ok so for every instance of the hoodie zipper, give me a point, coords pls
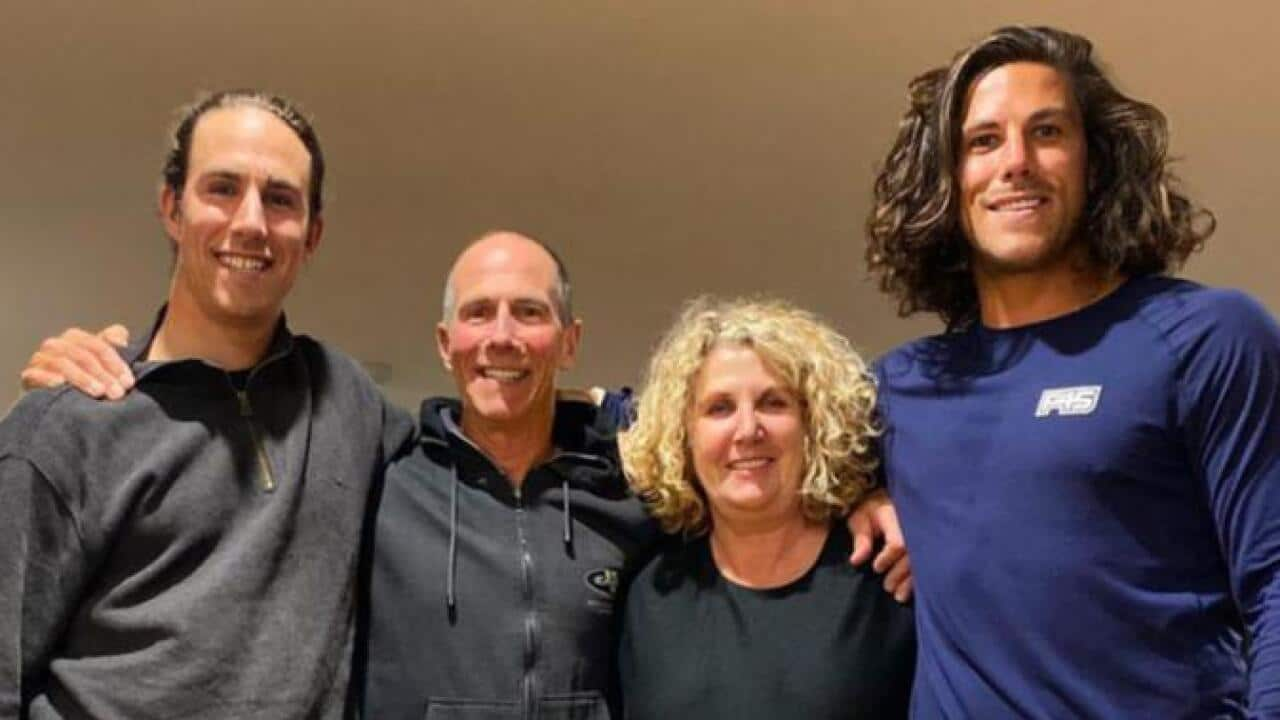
(528, 687)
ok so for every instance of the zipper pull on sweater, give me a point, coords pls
(264, 463)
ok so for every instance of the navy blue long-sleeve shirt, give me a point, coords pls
(1092, 505)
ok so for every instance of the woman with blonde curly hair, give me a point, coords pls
(755, 433)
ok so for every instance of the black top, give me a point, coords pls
(485, 602)
(832, 644)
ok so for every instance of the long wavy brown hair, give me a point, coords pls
(1135, 222)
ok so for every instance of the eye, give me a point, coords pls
(982, 142)
(719, 407)
(1047, 131)
(475, 312)
(776, 401)
(222, 187)
(281, 199)
(531, 312)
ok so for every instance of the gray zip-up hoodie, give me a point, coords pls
(486, 602)
(190, 550)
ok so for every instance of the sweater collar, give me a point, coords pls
(135, 352)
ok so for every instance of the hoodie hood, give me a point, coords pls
(584, 438)
(584, 458)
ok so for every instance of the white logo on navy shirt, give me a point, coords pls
(1079, 400)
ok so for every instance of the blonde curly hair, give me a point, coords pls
(836, 392)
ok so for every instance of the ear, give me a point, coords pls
(315, 229)
(170, 211)
(569, 344)
(442, 345)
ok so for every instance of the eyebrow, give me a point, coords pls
(1037, 116)
(515, 301)
(273, 183)
(220, 175)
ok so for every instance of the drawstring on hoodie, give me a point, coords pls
(449, 599)
(450, 582)
(568, 520)
(447, 427)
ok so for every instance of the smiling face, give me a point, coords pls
(241, 227)
(746, 438)
(1021, 171)
(503, 340)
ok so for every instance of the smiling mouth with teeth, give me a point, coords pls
(749, 463)
(1017, 204)
(502, 375)
(243, 263)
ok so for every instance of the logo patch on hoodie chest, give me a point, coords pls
(603, 584)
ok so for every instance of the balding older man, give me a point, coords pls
(498, 544)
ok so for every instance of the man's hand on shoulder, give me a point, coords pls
(89, 362)
(591, 396)
(875, 519)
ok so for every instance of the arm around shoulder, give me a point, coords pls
(90, 362)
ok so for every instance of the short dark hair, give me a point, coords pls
(1135, 221)
(178, 158)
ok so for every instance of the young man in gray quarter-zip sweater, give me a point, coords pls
(190, 551)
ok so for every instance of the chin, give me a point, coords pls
(244, 315)
(749, 499)
(495, 409)
(246, 301)
(1018, 256)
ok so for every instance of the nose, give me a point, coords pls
(1016, 158)
(503, 327)
(249, 221)
(748, 428)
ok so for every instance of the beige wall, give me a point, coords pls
(667, 148)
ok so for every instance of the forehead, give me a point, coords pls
(731, 365)
(504, 270)
(1017, 89)
(248, 140)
